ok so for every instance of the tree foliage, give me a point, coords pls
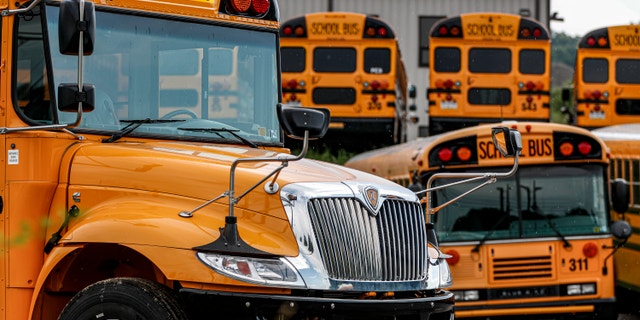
(563, 48)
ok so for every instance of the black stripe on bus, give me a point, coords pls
(430, 91)
(593, 101)
(294, 91)
(544, 93)
(379, 91)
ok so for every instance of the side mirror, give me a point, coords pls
(76, 18)
(69, 96)
(621, 229)
(508, 142)
(296, 120)
(412, 91)
(620, 196)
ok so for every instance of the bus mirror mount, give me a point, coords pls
(507, 141)
(76, 35)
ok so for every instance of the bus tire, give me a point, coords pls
(123, 298)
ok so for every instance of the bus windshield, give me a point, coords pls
(185, 79)
(539, 201)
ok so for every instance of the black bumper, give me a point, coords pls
(202, 304)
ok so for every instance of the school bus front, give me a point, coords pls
(538, 243)
(145, 176)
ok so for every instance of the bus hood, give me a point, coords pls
(193, 170)
(126, 185)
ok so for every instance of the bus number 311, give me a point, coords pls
(578, 264)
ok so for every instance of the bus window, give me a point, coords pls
(627, 71)
(334, 95)
(490, 60)
(628, 107)
(489, 96)
(595, 70)
(293, 59)
(531, 61)
(377, 60)
(447, 59)
(334, 60)
(221, 62)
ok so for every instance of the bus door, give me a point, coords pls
(490, 77)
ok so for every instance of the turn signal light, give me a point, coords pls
(590, 250)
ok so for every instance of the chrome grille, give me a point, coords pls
(355, 245)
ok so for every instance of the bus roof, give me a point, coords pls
(336, 25)
(629, 131)
(621, 37)
(490, 26)
(398, 160)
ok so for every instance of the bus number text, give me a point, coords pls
(578, 264)
(530, 106)
(375, 105)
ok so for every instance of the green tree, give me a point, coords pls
(563, 48)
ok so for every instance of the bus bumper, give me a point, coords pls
(590, 309)
(202, 304)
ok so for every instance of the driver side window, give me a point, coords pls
(31, 84)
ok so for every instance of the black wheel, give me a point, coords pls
(179, 112)
(123, 299)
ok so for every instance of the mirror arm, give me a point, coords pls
(20, 10)
(470, 177)
(615, 248)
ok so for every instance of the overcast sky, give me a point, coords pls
(582, 16)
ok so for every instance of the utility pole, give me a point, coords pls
(329, 5)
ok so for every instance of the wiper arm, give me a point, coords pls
(134, 124)
(217, 130)
(567, 244)
(489, 233)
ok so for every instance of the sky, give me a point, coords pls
(582, 16)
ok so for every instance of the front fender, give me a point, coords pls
(152, 220)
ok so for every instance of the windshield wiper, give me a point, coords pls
(227, 130)
(489, 233)
(567, 244)
(134, 124)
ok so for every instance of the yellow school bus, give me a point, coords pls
(623, 143)
(488, 67)
(351, 64)
(537, 243)
(606, 87)
(137, 184)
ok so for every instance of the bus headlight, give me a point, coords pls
(467, 295)
(274, 272)
(582, 288)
